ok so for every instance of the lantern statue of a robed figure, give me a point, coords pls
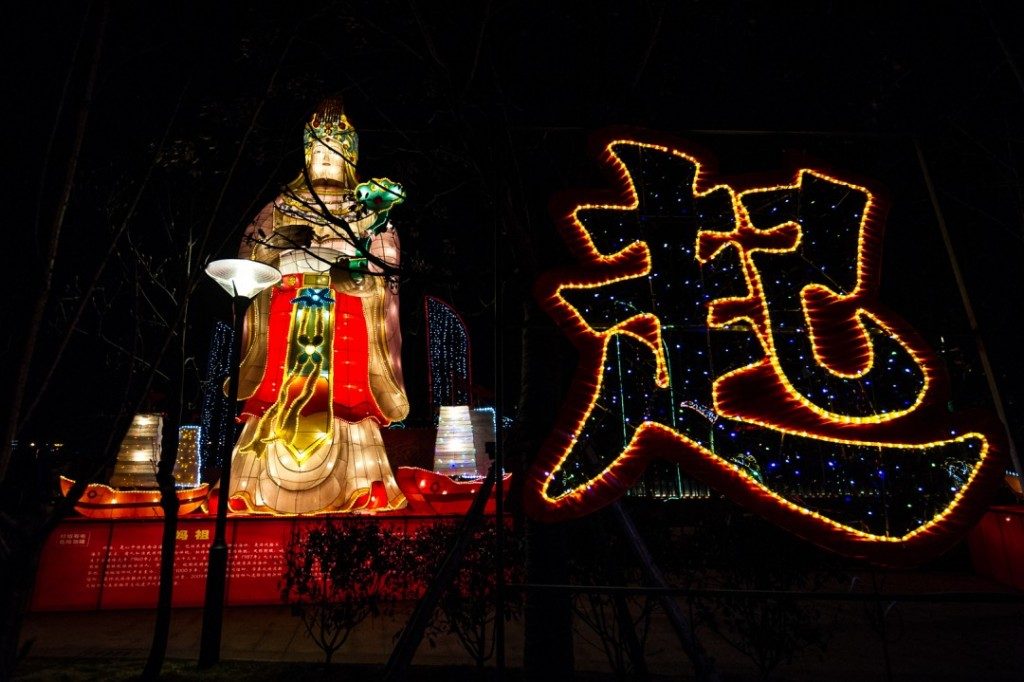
(321, 367)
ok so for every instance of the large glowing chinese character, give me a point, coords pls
(737, 333)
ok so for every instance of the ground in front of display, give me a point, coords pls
(920, 640)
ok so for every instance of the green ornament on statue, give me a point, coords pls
(379, 196)
(357, 267)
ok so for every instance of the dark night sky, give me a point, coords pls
(482, 126)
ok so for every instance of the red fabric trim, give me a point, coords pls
(353, 399)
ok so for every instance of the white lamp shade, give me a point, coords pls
(241, 277)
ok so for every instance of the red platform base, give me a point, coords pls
(105, 562)
(997, 545)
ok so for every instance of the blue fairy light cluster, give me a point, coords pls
(448, 348)
(216, 414)
(883, 490)
(829, 215)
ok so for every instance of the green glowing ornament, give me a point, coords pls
(379, 196)
(357, 267)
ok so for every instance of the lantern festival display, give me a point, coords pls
(133, 492)
(188, 466)
(139, 453)
(321, 369)
(455, 449)
(484, 432)
(449, 355)
(737, 333)
(462, 433)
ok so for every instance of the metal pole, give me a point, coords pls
(216, 573)
(499, 490)
(969, 309)
(397, 667)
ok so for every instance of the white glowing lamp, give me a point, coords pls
(139, 455)
(454, 451)
(241, 277)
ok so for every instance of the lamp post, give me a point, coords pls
(242, 279)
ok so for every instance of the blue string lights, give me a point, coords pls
(216, 423)
(449, 355)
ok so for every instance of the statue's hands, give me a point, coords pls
(290, 237)
(268, 250)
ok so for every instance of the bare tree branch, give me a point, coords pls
(43, 298)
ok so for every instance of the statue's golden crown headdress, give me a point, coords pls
(330, 126)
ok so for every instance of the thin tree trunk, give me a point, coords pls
(87, 294)
(21, 541)
(169, 503)
(20, 559)
(36, 321)
(21, 551)
(547, 618)
(703, 666)
(397, 667)
(627, 630)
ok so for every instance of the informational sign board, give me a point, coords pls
(98, 564)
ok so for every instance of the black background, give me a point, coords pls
(483, 111)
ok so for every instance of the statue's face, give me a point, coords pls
(326, 164)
